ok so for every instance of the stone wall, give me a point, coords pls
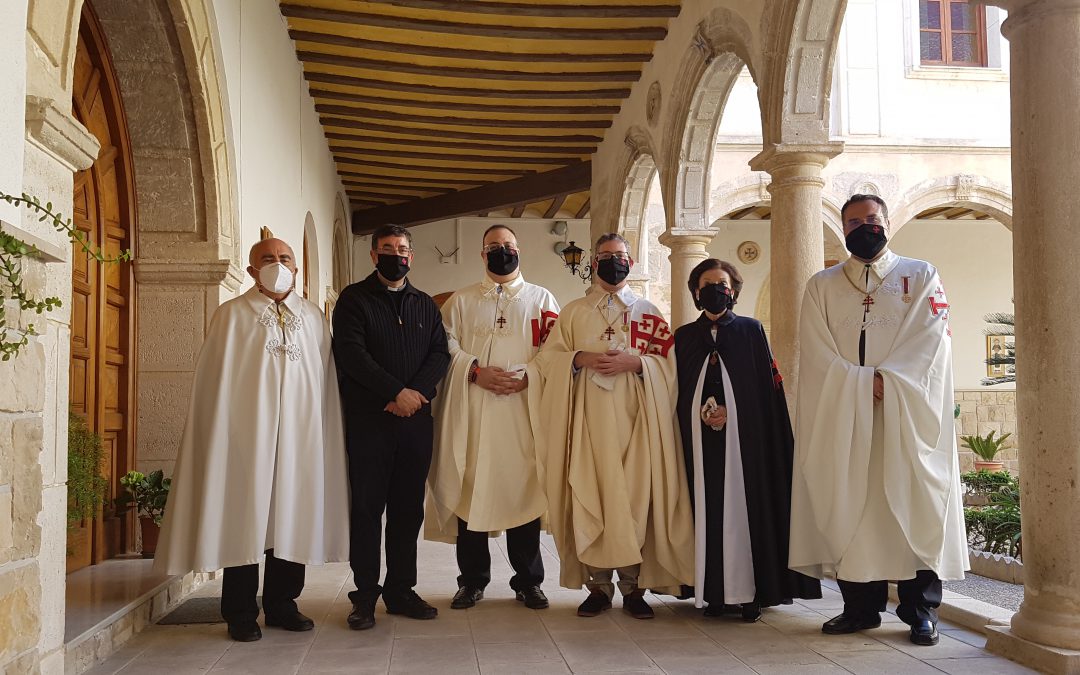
(983, 411)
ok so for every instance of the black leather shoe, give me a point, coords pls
(594, 604)
(635, 605)
(246, 631)
(843, 624)
(466, 597)
(533, 597)
(751, 612)
(409, 604)
(924, 633)
(362, 616)
(294, 621)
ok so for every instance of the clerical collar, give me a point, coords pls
(509, 288)
(626, 296)
(397, 289)
(856, 269)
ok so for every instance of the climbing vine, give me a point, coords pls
(12, 252)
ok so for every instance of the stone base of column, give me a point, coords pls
(1002, 641)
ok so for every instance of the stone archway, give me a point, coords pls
(310, 261)
(641, 189)
(966, 190)
(341, 251)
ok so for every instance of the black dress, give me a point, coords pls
(767, 446)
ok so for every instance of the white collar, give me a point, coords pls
(293, 302)
(625, 295)
(855, 269)
(509, 288)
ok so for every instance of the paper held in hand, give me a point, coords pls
(707, 410)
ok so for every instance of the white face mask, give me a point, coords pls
(276, 278)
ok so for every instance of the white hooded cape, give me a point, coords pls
(262, 461)
(876, 490)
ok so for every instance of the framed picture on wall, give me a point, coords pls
(999, 346)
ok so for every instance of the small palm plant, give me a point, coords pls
(985, 447)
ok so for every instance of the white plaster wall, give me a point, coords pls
(285, 168)
(974, 258)
(539, 263)
(725, 246)
(12, 104)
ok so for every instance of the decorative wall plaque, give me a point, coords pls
(652, 104)
(748, 252)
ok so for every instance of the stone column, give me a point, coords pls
(1046, 170)
(796, 239)
(687, 250)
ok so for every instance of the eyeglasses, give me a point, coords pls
(492, 248)
(619, 255)
(869, 220)
(402, 251)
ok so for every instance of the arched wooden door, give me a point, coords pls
(102, 312)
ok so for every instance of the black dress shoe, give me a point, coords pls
(924, 633)
(409, 604)
(245, 631)
(294, 621)
(594, 604)
(533, 597)
(466, 597)
(751, 612)
(840, 625)
(635, 605)
(362, 616)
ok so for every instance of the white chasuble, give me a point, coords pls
(609, 457)
(876, 489)
(262, 460)
(484, 466)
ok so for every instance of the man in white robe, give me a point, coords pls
(261, 466)
(483, 476)
(616, 483)
(876, 490)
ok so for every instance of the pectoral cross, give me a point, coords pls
(867, 301)
(501, 321)
(608, 333)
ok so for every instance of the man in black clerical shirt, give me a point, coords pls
(391, 351)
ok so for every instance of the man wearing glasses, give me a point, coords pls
(391, 351)
(483, 476)
(618, 499)
(876, 488)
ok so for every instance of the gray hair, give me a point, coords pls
(611, 236)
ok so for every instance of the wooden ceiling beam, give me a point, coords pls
(455, 53)
(520, 94)
(929, 214)
(434, 169)
(349, 123)
(449, 157)
(542, 9)
(494, 147)
(448, 182)
(432, 70)
(584, 210)
(366, 202)
(556, 204)
(367, 113)
(384, 196)
(395, 188)
(518, 211)
(651, 33)
(479, 107)
(507, 194)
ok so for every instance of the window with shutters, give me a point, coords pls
(952, 33)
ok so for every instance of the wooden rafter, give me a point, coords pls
(411, 88)
(367, 113)
(584, 210)
(517, 211)
(479, 107)
(555, 205)
(451, 181)
(542, 9)
(469, 28)
(486, 158)
(455, 53)
(434, 169)
(507, 194)
(492, 147)
(346, 123)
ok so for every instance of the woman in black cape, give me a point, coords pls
(731, 397)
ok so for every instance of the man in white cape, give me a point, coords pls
(261, 467)
(605, 428)
(876, 490)
(483, 476)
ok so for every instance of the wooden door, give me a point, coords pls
(101, 373)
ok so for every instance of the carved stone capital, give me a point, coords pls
(57, 133)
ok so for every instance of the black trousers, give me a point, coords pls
(522, 547)
(919, 597)
(388, 465)
(282, 583)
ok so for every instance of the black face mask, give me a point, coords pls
(715, 298)
(501, 262)
(392, 267)
(866, 241)
(613, 270)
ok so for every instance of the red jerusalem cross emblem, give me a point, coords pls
(939, 308)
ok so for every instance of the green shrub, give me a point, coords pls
(85, 485)
(995, 527)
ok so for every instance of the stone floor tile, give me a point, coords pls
(545, 668)
(987, 665)
(800, 669)
(490, 654)
(584, 653)
(882, 663)
(442, 655)
(964, 635)
(946, 648)
(258, 658)
(350, 660)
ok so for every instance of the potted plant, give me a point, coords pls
(148, 493)
(85, 485)
(986, 449)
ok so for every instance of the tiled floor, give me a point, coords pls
(499, 635)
